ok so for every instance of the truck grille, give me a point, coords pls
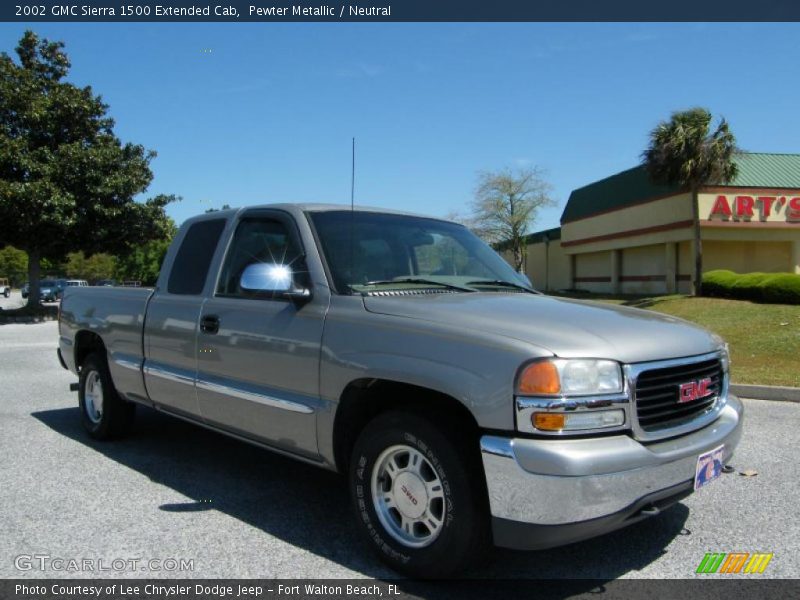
(659, 402)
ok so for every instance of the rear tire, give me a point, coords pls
(105, 415)
(7, 293)
(419, 495)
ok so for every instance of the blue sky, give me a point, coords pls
(268, 114)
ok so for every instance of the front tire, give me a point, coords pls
(104, 414)
(419, 495)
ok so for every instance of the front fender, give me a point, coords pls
(474, 367)
(431, 373)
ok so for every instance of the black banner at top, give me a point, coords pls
(277, 11)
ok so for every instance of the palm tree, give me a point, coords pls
(683, 151)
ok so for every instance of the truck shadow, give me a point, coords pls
(309, 507)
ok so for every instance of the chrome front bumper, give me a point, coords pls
(563, 482)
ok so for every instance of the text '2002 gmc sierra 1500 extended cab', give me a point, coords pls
(465, 407)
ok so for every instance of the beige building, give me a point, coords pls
(624, 234)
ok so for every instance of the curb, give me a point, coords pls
(766, 392)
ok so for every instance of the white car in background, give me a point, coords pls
(77, 283)
(5, 288)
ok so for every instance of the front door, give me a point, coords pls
(258, 356)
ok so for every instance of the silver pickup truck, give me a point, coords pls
(464, 407)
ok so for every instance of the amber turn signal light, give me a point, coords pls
(540, 378)
(548, 421)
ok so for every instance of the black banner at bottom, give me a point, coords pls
(400, 589)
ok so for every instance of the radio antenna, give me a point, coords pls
(352, 212)
(353, 178)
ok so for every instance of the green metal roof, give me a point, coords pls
(533, 238)
(629, 187)
(767, 170)
(545, 234)
(634, 186)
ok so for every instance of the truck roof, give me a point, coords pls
(305, 207)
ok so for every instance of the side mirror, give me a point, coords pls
(272, 279)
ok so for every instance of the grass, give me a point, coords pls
(764, 339)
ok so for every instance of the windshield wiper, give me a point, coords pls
(503, 283)
(416, 280)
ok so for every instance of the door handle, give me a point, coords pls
(209, 324)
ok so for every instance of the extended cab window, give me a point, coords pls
(260, 240)
(189, 271)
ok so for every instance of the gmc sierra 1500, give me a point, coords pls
(464, 406)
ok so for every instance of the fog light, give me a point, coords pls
(548, 421)
(595, 419)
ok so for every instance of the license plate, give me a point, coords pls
(709, 467)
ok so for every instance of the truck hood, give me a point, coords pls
(564, 327)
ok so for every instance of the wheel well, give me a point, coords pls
(87, 342)
(364, 399)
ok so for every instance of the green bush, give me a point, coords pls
(781, 288)
(775, 288)
(718, 283)
(748, 286)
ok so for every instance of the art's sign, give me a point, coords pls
(760, 208)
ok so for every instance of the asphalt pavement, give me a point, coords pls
(175, 492)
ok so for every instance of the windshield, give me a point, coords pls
(45, 283)
(365, 250)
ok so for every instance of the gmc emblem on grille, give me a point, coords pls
(694, 390)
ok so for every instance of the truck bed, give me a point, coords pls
(117, 316)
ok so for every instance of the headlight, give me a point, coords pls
(565, 377)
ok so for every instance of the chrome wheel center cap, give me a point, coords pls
(410, 495)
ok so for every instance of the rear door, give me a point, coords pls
(170, 332)
(258, 357)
